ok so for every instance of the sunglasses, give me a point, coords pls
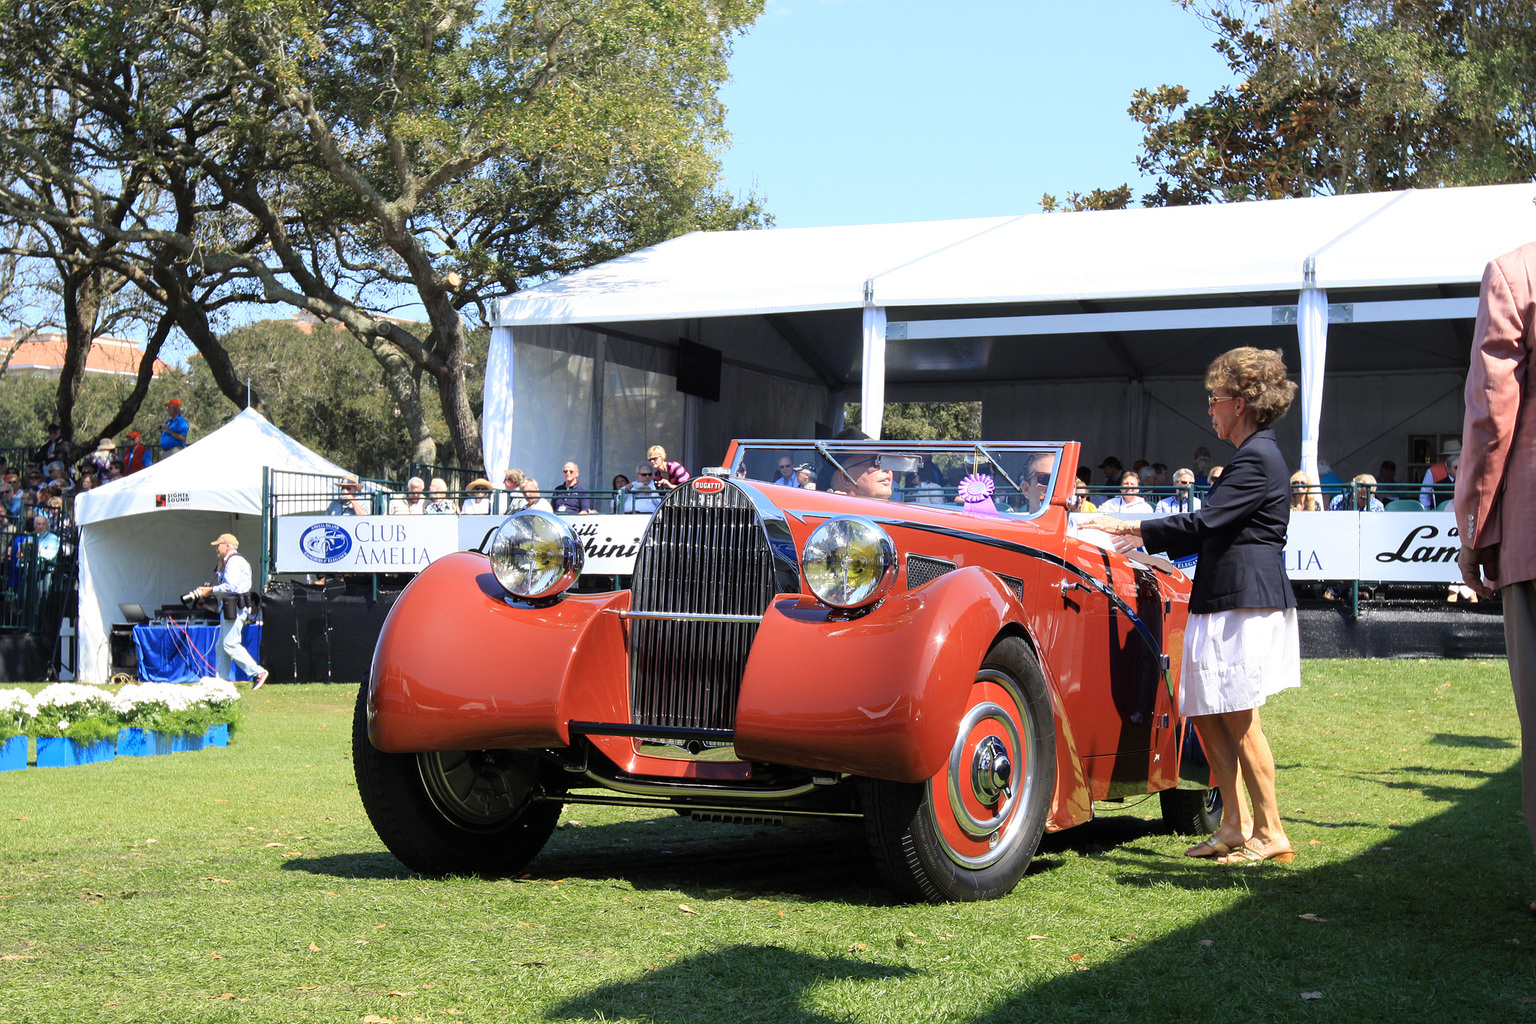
(644, 474)
(1041, 478)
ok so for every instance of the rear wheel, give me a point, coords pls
(969, 832)
(1191, 812)
(467, 812)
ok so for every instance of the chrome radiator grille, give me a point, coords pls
(702, 554)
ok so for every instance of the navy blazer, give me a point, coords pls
(1239, 533)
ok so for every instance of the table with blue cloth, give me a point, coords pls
(181, 653)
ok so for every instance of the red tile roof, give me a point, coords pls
(44, 354)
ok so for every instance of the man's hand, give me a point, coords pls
(1471, 566)
(204, 591)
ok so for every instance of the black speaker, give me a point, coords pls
(698, 370)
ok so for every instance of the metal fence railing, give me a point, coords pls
(37, 583)
(457, 478)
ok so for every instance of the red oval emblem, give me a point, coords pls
(709, 485)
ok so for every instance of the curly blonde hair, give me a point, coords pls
(1257, 376)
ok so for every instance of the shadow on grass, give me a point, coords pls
(350, 865)
(1427, 925)
(731, 984)
(1447, 739)
(817, 859)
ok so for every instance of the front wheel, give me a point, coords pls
(969, 832)
(468, 812)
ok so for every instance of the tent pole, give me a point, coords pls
(266, 524)
(872, 376)
(1312, 334)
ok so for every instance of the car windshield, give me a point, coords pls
(1018, 477)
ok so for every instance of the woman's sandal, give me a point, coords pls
(1211, 847)
(1248, 855)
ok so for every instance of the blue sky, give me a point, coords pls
(868, 111)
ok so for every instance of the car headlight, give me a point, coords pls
(536, 555)
(849, 562)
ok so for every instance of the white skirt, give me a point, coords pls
(1234, 660)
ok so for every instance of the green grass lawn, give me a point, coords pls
(245, 884)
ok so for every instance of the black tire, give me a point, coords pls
(1191, 812)
(461, 813)
(929, 840)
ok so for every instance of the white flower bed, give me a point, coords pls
(66, 703)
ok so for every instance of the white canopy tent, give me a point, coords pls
(145, 539)
(1095, 326)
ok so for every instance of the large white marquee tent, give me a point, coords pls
(1092, 326)
(145, 539)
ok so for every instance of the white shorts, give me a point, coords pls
(1234, 660)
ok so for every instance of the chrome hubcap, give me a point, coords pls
(991, 771)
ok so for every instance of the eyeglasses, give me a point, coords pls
(1220, 398)
(1041, 478)
(644, 475)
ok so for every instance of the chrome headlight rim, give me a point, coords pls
(837, 536)
(562, 555)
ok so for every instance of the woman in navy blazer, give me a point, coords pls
(1242, 643)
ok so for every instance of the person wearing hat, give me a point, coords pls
(101, 458)
(349, 502)
(173, 433)
(479, 501)
(139, 456)
(1112, 471)
(237, 606)
(1440, 479)
(55, 449)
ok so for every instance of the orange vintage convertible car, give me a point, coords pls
(962, 675)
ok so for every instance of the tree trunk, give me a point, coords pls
(193, 321)
(403, 378)
(81, 291)
(130, 407)
(452, 387)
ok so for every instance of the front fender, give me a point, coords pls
(879, 695)
(458, 668)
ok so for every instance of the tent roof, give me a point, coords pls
(218, 473)
(1378, 240)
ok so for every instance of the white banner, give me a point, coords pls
(336, 544)
(1391, 547)
(363, 544)
(1409, 546)
(1323, 545)
(1402, 547)
(611, 542)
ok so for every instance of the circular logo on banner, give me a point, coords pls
(709, 485)
(325, 542)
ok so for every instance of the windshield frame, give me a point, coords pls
(989, 453)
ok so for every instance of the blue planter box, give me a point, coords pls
(181, 743)
(13, 754)
(142, 743)
(217, 736)
(57, 752)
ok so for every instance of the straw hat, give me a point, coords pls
(479, 484)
